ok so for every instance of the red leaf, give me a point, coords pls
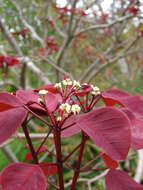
(114, 96)
(50, 88)
(8, 101)
(50, 46)
(12, 114)
(73, 129)
(136, 130)
(133, 103)
(51, 101)
(10, 121)
(109, 128)
(23, 32)
(9, 61)
(133, 10)
(119, 180)
(27, 96)
(109, 162)
(23, 176)
(85, 90)
(2, 58)
(30, 97)
(28, 157)
(49, 168)
(137, 134)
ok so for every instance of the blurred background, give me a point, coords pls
(94, 41)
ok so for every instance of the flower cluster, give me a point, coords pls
(71, 98)
(67, 108)
(75, 85)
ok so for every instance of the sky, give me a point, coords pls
(105, 4)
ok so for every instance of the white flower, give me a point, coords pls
(58, 85)
(67, 82)
(75, 109)
(59, 118)
(95, 90)
(66, 108)
(95, 93)
(43, 92)
(76, 84)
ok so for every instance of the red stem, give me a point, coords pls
(57, 138)
(91, 103)
(41, 119)
(94, 102)
(86, 101)
(43, 142)
(68, 126)
(32, 150)
(81, 104)
(77, 169)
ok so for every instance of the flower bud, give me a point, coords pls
(43, 92)
(67, 82)
(75, 109)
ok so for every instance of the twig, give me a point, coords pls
(96, 178)
(139, 170)
(87, 180)
(9, 154)
(16, 48)
(34, 135)
(25, 23)
(102, 26)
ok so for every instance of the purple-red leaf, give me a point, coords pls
(27, 96)
(52, 89)
(23, 176)
(31, 98)
(136, 130)
(73, 129)
(109, 128)
(84, 90)
(51, 101)
(10, 121)
(114, 96)
(119, 180)
(48, 168)
(8, 101)
(134, 103)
